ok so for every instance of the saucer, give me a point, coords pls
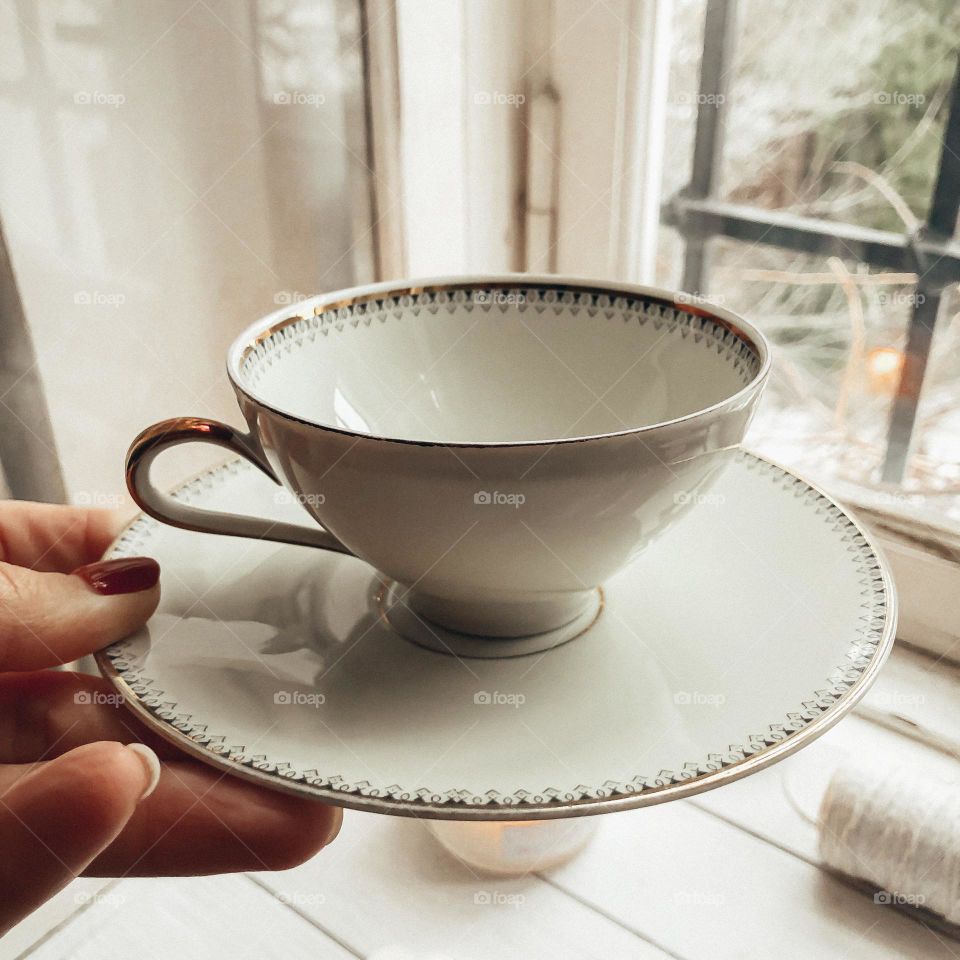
(748, 631)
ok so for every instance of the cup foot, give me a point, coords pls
(396, 610)
(497, 616)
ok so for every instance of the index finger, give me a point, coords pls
(53, 538)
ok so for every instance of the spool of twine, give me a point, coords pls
(899, 830)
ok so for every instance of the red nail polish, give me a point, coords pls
(124, 575)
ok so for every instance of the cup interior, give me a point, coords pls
(489, 363)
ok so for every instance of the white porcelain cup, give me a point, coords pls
(498, 446)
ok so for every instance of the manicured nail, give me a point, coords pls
(151, 763)
(124, 575)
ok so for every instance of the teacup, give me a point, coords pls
(498, 446)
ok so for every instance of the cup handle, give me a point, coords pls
(163, 507)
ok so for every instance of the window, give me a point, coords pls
(822, 200)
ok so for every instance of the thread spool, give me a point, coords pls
(899, 830)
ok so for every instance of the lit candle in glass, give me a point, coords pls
(515, 847)
(883, 369)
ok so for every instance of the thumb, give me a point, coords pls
(60, 815)
(52, 618)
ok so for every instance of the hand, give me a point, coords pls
(74, 799)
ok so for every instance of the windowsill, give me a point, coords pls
(916, 695)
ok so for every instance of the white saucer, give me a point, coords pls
(746, 632)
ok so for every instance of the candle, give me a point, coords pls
(515, 847)
(883, 369)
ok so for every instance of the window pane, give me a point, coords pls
(937, 435)
(850, 132)
(837, 340)
(837, 110)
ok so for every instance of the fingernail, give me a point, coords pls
(151, 763)
(124, 575)
(335, 826)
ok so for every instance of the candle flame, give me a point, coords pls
(884, 361)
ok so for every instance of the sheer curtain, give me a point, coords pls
(170, 172)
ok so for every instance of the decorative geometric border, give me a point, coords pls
(875, 602)
(699, 327)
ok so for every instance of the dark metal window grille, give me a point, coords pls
(930, 251)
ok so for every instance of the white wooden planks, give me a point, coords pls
(195, 917)
(387, 883)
